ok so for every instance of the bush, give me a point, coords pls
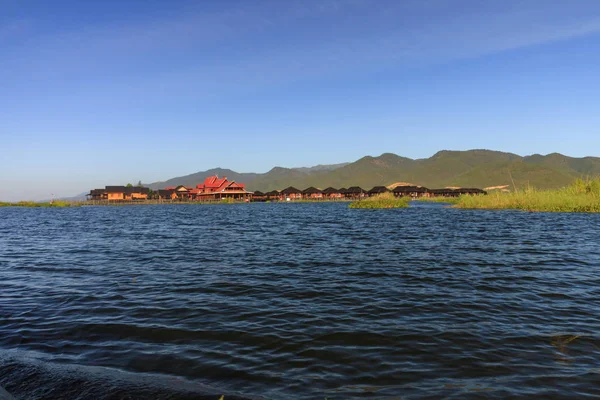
(583, 195)
(384, 200)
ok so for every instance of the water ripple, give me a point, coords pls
(298, 301)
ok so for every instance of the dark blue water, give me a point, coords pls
(298, 301)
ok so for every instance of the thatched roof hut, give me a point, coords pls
(378, 190)
(165, 194)
(290, 190)
(355, 190)
(410, 189)
(312, 190)
(446, 192)
(470, 191)
(115, 189)
(331, 190)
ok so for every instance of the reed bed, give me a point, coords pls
(384, 200)
(447, 200)
(583, 195)
(33, 204)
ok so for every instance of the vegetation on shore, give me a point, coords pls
(384, 200)
(33, 204)
(447, 200)
(583, 195)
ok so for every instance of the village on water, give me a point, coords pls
(217, 189)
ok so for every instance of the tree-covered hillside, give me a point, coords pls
(471, 168)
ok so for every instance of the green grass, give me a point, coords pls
(384, 200)
(448, 200)
(33, 204)
(583, 195)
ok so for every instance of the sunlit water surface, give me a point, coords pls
(298, 301)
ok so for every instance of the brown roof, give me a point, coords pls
(116, 189)
(355, 189)
(291, 190)
(311, 190)
(378, 189)
(410, 189)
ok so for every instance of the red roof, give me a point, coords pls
(170, 188)
(214, 184)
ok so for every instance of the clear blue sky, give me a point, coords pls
(116, 91)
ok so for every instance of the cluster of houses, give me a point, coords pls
(215, 188)
(357, 193)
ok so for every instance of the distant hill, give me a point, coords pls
(471, 168)
(320, 168)
(277, 174)
(199, 177)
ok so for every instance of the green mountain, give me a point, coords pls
(320, 168)
(276, 176)
(199, 177)
(472, 168)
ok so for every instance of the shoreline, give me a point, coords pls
(456, 203)
(67, 204)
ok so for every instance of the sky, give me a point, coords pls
(116, 91)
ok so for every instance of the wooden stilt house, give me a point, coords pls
(273, 195)
(312, 193)
(259, 196)
(412, 191)
(332, 193)
(290, 193)
(355, 192)
(377, 190)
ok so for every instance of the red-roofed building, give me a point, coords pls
(213, 188)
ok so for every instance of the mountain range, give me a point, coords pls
(471, 168)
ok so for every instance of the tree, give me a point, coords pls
(139, 184)
(129, 185)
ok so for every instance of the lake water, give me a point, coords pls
(298, 301)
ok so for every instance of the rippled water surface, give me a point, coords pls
(298, 301)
